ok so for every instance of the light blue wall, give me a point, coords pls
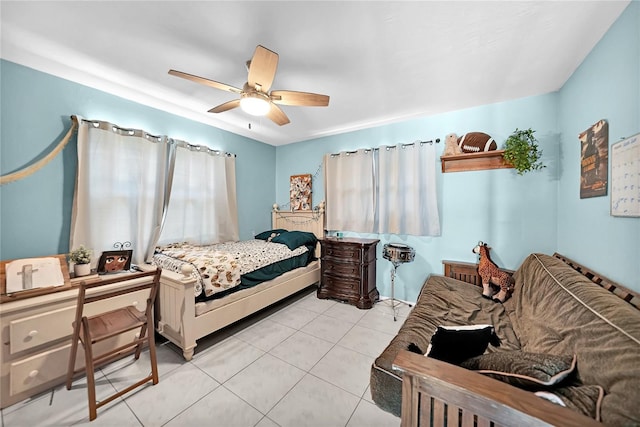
(35, 213)
(514, 214)
(606, 86)
(539, 212)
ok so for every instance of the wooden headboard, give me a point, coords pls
(311, 221)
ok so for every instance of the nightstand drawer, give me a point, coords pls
(341, 269)
(342, 252)
(338, 284)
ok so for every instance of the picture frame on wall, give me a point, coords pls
(115, 261)
(300, 192)
(594, 156)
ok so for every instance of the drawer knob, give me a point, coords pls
(33, 333)
(134, 303)
(33, 373)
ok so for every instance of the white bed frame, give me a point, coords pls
(176, 317)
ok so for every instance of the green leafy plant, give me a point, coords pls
(81, 255)
(522, 151)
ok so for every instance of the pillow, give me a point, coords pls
(455, 344)
(586, 399)
(269, 234)
(522, 369)
(294, 239)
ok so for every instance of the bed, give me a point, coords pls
(183, 319)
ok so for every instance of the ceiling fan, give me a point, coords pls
(255, 97)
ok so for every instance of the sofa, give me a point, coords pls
(554, 310)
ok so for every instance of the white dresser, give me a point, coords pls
(36, 337)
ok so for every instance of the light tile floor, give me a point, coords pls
(302, 362)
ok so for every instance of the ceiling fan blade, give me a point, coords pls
(262, 69)
(307, 99)
(277, 115)
(204, 81)
(226, 106)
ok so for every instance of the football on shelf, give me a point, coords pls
(475, 142)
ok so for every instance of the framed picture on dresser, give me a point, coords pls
(115, 261)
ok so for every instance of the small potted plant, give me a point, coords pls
(522, 151)
(81, 257)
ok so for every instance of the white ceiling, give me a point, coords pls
(380, 62)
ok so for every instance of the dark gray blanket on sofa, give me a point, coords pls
(553, 310)
(557, 310)
(442, 301)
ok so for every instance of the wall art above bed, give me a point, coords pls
(300, 192)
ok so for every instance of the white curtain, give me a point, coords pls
(350, 191)
(202, 204)
(120, 184)
(407, 199)
(390, 190)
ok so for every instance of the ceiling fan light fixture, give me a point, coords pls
(255, 104)
(255, 96)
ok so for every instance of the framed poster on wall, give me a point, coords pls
(625, 177)
(300, 192)
(594, 155)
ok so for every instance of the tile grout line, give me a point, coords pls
(307, 372)
(335, 315)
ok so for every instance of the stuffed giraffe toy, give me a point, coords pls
(491, 274)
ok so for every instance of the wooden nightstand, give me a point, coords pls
(348, 270)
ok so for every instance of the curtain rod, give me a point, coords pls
(195, 147)
(138, 132)
(411, 144)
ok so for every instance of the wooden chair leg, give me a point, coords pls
(143, 332)
(152, 354)
(72, 356)
(89, 369)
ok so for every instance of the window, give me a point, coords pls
(124, 190)
(386, 190)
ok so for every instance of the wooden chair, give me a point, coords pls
(94, 329)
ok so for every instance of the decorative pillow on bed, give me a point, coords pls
(586, 399)
(269, 234)
(455, 344)
(295, 239)
(522, 369)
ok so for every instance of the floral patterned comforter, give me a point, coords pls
(219, 267)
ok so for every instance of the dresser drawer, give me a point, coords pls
(44, 328)
(31, 372)
(41, 368)
(342, 252)
(341, 269)
(40, 329)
